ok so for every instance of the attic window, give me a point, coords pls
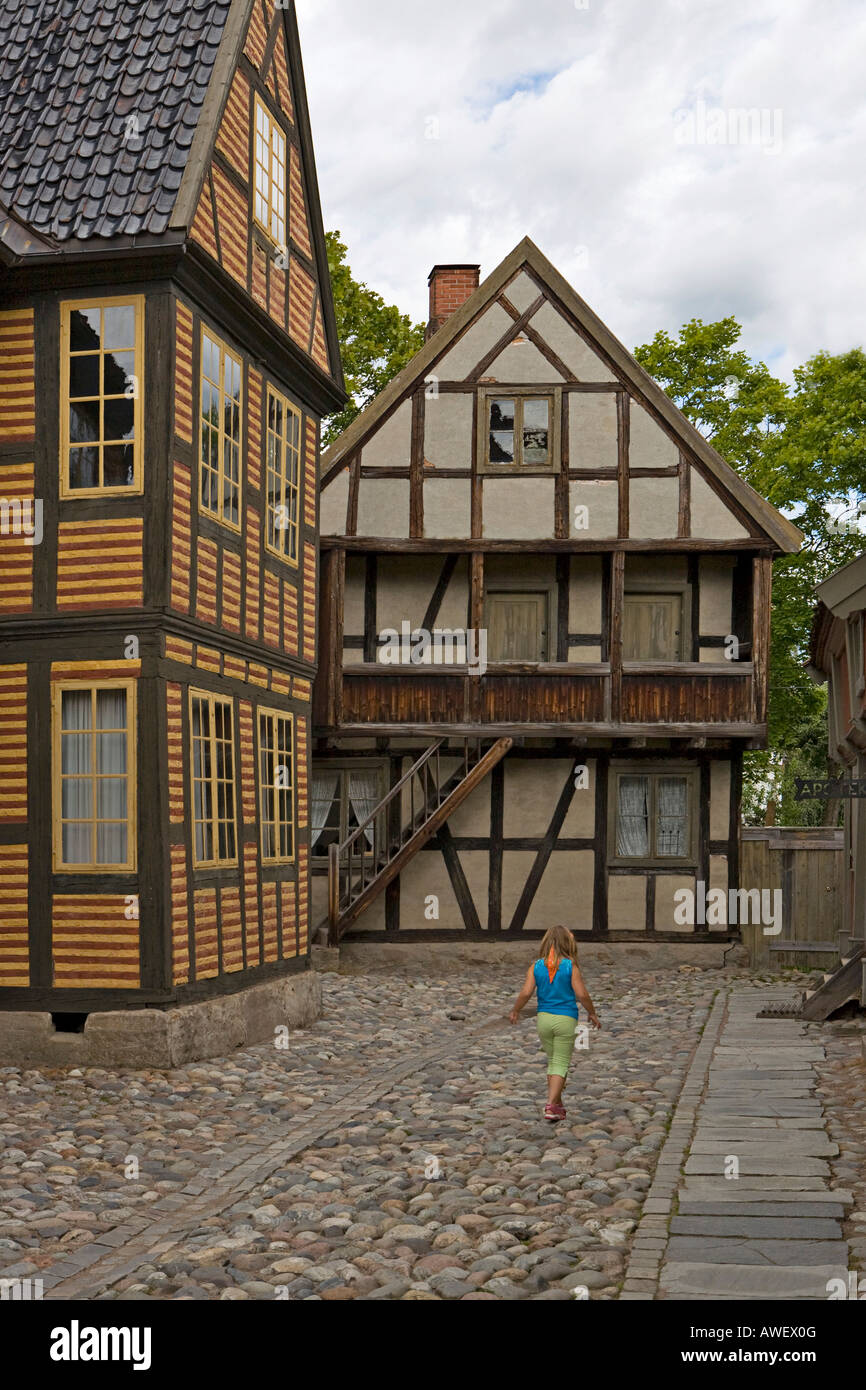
(270, 166)
(519, 432)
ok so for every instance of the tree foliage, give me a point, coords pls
(376, 340)
(803, 449)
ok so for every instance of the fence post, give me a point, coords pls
(333, 894)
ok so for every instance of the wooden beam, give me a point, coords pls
(623, 417)
(684, 521)
(599, 897)
(371, 595)
(389, 545)
(513, 331)
(442, 584)
(617, 602)
(542, 859)
(566, 730)
(497, 830)
(762, 603)
(416, 488)
(562, 500)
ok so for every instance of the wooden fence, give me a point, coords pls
(807, 865)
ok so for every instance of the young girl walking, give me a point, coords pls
(556, 975)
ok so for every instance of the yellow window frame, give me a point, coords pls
(131, 775)
(283, 452)
(214, 820)
(67, 308)
(268, 134)
(225, 354)
(275, 718)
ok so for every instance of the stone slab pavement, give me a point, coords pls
(745, 1207)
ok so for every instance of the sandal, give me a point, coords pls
(554, 1113)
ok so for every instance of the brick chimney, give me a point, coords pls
(450, 287)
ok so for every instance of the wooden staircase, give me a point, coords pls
(373, 856)
(844, 984)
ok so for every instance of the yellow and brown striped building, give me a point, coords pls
(160, 410)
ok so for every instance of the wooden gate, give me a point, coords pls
(807, 866)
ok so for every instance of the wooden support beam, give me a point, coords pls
(617, 604)
(762, 602)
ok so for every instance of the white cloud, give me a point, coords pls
(561, 123)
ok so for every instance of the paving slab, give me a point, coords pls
(742, 1251)
(727, 1281)
(786, 1227)
(830, 1210)
(815, 1145)
(779, 1165)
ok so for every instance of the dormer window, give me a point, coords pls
(519, 432)
(270, 182)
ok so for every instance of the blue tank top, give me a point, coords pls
(555, 996)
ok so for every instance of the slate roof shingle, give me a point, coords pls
(99, 101)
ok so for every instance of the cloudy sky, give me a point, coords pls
(673, 158)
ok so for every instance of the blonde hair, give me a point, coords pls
(559, 942)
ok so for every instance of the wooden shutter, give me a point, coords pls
(652, 627)
(517, 626)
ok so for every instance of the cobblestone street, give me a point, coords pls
(396, 1150)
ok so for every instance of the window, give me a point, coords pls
(519, 432)
(653, 816)
(653, 627)
(94, 777)
(517, 625)
(270, 162)
(102, 361)
(213, 781)
(220, 432)
(342, 800)
(284, 471)
(277, 787)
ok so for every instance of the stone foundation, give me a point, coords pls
(359, 957)
(164, 1038)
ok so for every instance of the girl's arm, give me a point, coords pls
(581, 994)
(525, 994)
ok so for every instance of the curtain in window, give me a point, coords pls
(324, 790)
(76, 756)
(111, 810)
(632, 824)
(364, 797)
(672, 817)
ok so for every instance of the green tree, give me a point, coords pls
(803, 450)
(376, 340)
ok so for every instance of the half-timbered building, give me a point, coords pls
(167, 351)
(545, 617)
(838, 657)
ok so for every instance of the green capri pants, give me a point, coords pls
(557, 1033)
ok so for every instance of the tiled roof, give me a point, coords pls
(99, 101)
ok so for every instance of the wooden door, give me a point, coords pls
(517, 626)
(652, 627)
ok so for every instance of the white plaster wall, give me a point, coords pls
(651, 447)
(602, 500)
(405, 588)
(353, 598)
(522, 363)
(626, 903)
(335, 505)
(711, 519)
(383, 507)
(585, 364)
(585, 595)
(565, 893)
(391, 445)
(718, 879)
(447, 508)
(427, 874)
(649, 568)
(522, 291)
(532, 790)
(717, 588)
(654, 505)
(584, 655)
(720, 800)
(475, 343)
(593, 431)
(519, 509)
(666, 886)
(448, 430)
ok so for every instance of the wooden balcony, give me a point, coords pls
(692, 700)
